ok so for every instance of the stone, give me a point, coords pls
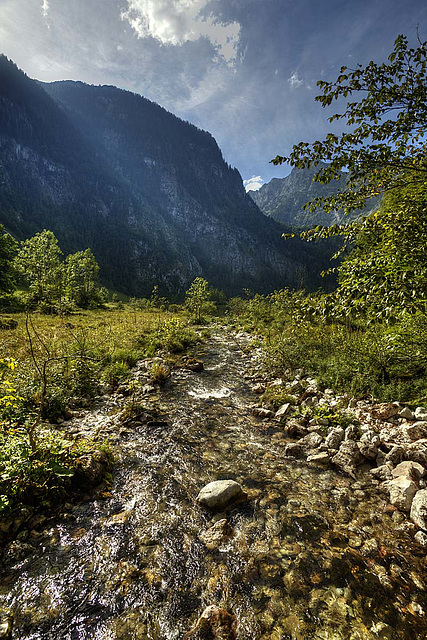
(215, 623)
(348, 457)
(335, 437)
(369, 435)
(258, 388)
(383, 472)
(283, 410)
(351, 433)
(420, 413)
(311, 440)
(368, 450)
(6, 625)
(421, 538)
(416, 431)
(406, 413)
(409, 469)
(217, 534)
(90, 468)
(395, 455)
(402, 491)
(319, 458)
(387, 410)
(261, 412)
(219, 494)
(295, 450)
(417, 452)
(419, 509)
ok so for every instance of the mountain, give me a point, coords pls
(149, 193)
(283, 198)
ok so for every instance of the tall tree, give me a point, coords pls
(82, 278)
(8, 247)
(38, 261)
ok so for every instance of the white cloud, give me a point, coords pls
(295, 81)
(175, 22)
(45, 8)
(253, 184)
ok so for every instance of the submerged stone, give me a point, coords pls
(218, 494)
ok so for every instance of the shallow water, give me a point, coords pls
(313, 555)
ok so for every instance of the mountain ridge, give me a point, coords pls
(150, 194)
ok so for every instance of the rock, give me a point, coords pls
(334, 438)
(393, 433)
(395, 455)
(319, 458)
(283, 410)
(260, 412)
(258, 388)
(369, 548)
(369, 435)
(6, 624)
(387, 410)
(218, 533)
(348, 457)
(384, 472)
(419, 509)
(368, 450)
(406, 413)
(294, 429)
(218, 494)
(311, 440)
(215, 623)
(192, 364)
(421, 538)
(416, 431)
(409, 469)
(351, 433)
(420, 413)
(90, 468)
(295, 450)
(402, 491)
(417, 452)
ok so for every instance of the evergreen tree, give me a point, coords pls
(8, 247)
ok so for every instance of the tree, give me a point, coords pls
(385, 144)
(38, 261)
(8, 247)
(82, 278)
(197, 298)
(385, 275)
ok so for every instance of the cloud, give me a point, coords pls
(45, 8)
(175, 22)
(295, 81)
(253, 184)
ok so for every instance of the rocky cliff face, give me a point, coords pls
(150, 194)
(283, 198)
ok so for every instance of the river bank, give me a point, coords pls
(309, 553)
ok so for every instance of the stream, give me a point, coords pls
(311, 554)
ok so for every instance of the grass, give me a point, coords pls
(51, 365)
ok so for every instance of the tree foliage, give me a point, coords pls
(386, 125)
(82, 278)
(197, 298)
(39, 263)
(8, 247)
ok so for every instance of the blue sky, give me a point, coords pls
(245, 70)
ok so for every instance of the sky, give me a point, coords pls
(245, 70)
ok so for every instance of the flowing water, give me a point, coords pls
(312, 555)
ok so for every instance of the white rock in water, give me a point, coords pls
(421, 413)
(218, 494)
(402, 491)
(419, 509)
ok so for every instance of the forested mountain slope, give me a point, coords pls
(149, 193)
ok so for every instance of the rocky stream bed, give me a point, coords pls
(325, 540)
